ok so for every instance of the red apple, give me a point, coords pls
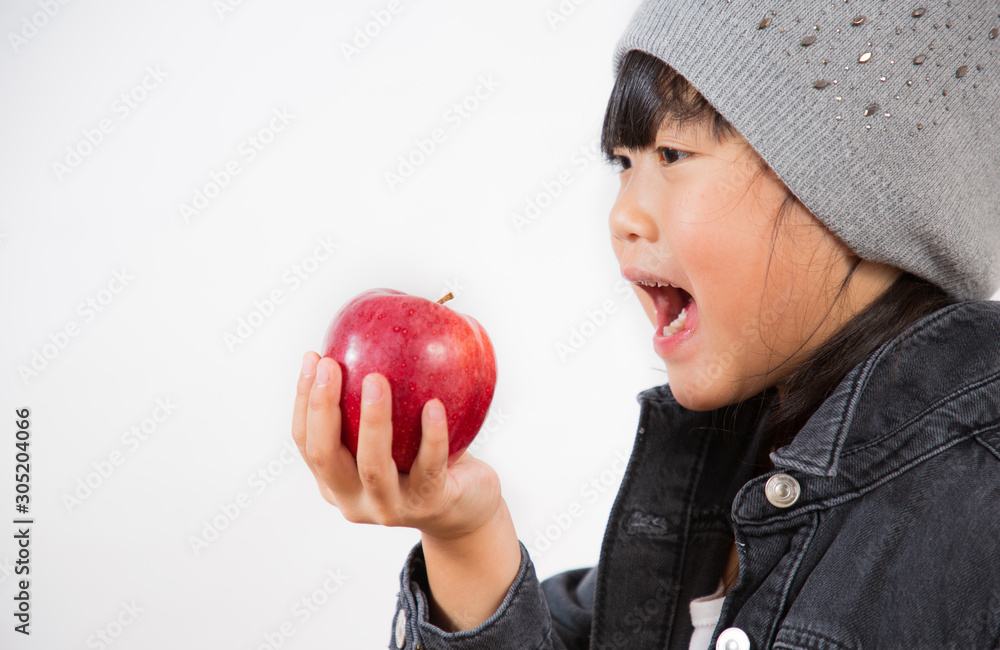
(425, 350)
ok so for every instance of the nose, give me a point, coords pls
(631, 216)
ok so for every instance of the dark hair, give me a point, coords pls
(647, 92)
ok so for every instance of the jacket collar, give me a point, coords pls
(945, 364)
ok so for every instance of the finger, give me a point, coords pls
(431, 464)
(300, 413)
(301, 407)
(376, 468)
(329, 458)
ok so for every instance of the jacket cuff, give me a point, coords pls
(521, 621)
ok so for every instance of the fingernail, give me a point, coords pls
(322, 374)
(371, 390)
(307, 364)
(435, 413)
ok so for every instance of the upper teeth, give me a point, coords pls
(659, 284)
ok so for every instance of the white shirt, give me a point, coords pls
(705, 616)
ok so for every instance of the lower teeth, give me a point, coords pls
(677, 325)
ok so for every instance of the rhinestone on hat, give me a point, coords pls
(938, 52)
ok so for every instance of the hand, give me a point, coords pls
(442, 502)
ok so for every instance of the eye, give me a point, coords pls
(669, 155)
(620, 163)
(666, 156)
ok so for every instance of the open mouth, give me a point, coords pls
(671, 306)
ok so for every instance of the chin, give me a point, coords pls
(685, 399)
(707, 398)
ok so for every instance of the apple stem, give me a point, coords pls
(448, 296)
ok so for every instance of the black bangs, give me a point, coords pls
(647, 92)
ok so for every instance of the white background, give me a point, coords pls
(557, 422)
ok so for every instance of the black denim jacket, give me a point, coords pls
(893, 540)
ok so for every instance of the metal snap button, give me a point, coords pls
(782, 490)
(401, 629)
(733, 638)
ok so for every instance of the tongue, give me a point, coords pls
(669, 302)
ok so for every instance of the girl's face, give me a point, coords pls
(698, 214)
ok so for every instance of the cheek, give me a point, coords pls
(726, 248)
(733, 319)
(727, 263)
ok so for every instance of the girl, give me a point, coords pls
(809, 214)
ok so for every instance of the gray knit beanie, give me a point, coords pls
(881, 116)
